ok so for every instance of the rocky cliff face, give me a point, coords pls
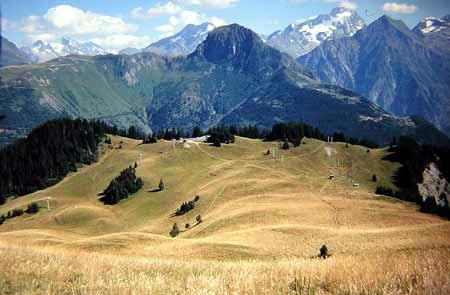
(435, 186)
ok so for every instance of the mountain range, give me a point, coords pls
(403, 71)
(42, 51)
(300, 38)
(232, 77)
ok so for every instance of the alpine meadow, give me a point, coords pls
(225, 147)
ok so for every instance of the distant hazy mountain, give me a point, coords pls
(182, 43)
(299, 39)
(10, 54)
(436, 32)
(42, 51)
(394, 67)
(130, 51)
(232, 77)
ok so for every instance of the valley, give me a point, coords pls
(264, 218)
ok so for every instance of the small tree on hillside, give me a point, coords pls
(374, 178)
(199, 219)
(175, 231)
(197, 132)
(161, 185)
(285, 145)
(32, 208)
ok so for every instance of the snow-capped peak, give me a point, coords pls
(302, 37)
(184, 42)
(433, 24)
(42, 51)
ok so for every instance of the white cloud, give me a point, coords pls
(349, 5)
(182, 19)
(399, 7)
(216, 4)
(67, 20)
(158, 10)
(121, 41)
(341, 3)
(346, 4)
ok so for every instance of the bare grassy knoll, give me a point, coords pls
(264, 220)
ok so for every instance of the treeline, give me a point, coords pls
(294, 132)
(48, 154)
(32, 208)
(219, 135)
(414, 159)
(122, 186)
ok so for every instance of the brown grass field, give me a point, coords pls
(264, 220)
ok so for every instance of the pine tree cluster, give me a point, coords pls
(47, 154)
(123, 185)
(187, 206)
(220, 134)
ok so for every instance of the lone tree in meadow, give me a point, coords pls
(161, 185)
(175, 231)
(374, 178)
(323, 252)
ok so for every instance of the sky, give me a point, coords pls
(117, 24)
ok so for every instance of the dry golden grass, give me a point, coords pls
(264, 221)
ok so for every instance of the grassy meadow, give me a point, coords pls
(264, 219)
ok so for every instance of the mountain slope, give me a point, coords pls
(182, 43)
(392, 66)
(227, 74)
(10, 54)
(299, 39)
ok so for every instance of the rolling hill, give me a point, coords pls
(264, 219)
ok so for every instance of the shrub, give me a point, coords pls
(285, 145)
(323, 252)
(161, 185)
(187, 226)
(175, 231)
(197, 198)
(381, 190)
(32, 208)
(199, 219)
(374, 178)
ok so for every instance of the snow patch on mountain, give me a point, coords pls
(42, 51)
(433, 24)
(300, 38)
(182, 43)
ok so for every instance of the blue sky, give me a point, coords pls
(116, 24)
